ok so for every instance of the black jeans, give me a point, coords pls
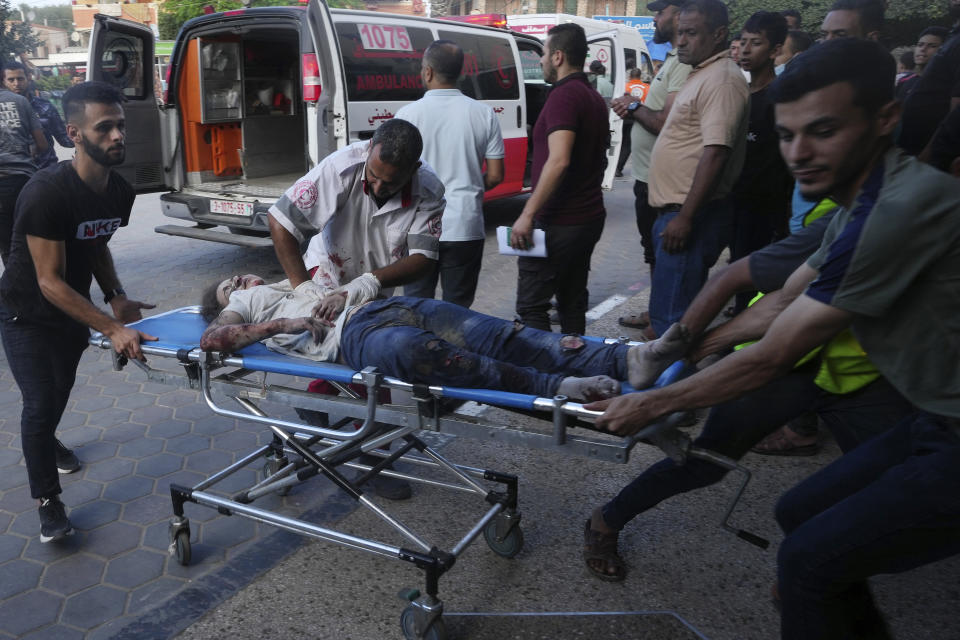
(646, 216)
(10, 188)
(563, 273)
(735, 426)
(44, 362)
(458, 271)
(625, 146)
(887, 507)
(755, 225)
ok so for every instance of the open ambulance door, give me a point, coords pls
(330, 123)
(121, 54)
(607, 48)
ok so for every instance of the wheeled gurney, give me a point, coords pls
(298, 451)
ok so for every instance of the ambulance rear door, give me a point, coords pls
(121, 54)
(327, 111)
(607, 48)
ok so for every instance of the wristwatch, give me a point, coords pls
(633, 106)
(113, 293)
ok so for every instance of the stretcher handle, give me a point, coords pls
(368, 425)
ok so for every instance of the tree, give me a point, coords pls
(173, 13)
(17, 38)
(904, 18)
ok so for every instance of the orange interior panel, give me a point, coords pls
(227, 138)
(207, 147)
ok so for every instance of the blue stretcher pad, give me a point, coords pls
(181, 329)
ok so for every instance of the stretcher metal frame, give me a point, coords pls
(298, 451)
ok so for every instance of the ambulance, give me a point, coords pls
(256, 97)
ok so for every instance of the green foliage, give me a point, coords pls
(904, 18)
(173, 13)
(53, 83)
(60, 16)
(14, 38)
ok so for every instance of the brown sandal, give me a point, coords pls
(779, 443)
(603, 547)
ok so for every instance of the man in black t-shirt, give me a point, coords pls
(935, 94)
(64, 218)
(761, 196)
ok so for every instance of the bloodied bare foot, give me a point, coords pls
(647, 361)
(589, 389)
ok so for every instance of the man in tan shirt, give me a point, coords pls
(696, 160)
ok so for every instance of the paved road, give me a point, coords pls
(114, 578)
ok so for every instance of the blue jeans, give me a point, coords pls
(890, 505)
(434, 342)
(44, 362)
(735, 426)
(680, 276)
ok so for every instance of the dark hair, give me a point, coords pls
(864, 64)
(906, 59)
(936, 32)
(400, 143)
(792, 13)
(445, 57)
(773, 25)
(75, 98)
(210, 306)
(736, 35)
(871, 12)
(571, 39)
(13, 65)
(714, 12)
(801, 40)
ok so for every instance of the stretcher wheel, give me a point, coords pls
(181, 544)
(267, 471)
(437, 630)
(510, 546)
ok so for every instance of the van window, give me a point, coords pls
(122, 63)
(489, 69)
(388, 67)
(530, 59)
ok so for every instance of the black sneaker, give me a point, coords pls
(67, 461)
(54, 524)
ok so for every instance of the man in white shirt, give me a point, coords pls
(459, 134)
(370, 208)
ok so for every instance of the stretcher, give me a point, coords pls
(389, 432)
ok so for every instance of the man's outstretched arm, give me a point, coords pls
(287, 248)
(805, 324)
(229, 333)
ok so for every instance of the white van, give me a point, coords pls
(632, 42)
(257, 97)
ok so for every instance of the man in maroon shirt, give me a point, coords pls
(570, 142)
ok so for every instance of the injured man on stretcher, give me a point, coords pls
(414, 339)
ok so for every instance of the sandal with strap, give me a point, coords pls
(780, 443)
(602, 547)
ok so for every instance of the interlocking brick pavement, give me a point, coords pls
(135, 438)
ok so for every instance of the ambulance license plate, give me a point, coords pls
(231, 208)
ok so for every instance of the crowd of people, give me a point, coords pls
(832, 180)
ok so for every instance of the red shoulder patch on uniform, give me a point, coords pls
(305, 194)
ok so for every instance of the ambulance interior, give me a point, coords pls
(243, 117)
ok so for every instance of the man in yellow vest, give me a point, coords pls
(887, 269)
(838, 383)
